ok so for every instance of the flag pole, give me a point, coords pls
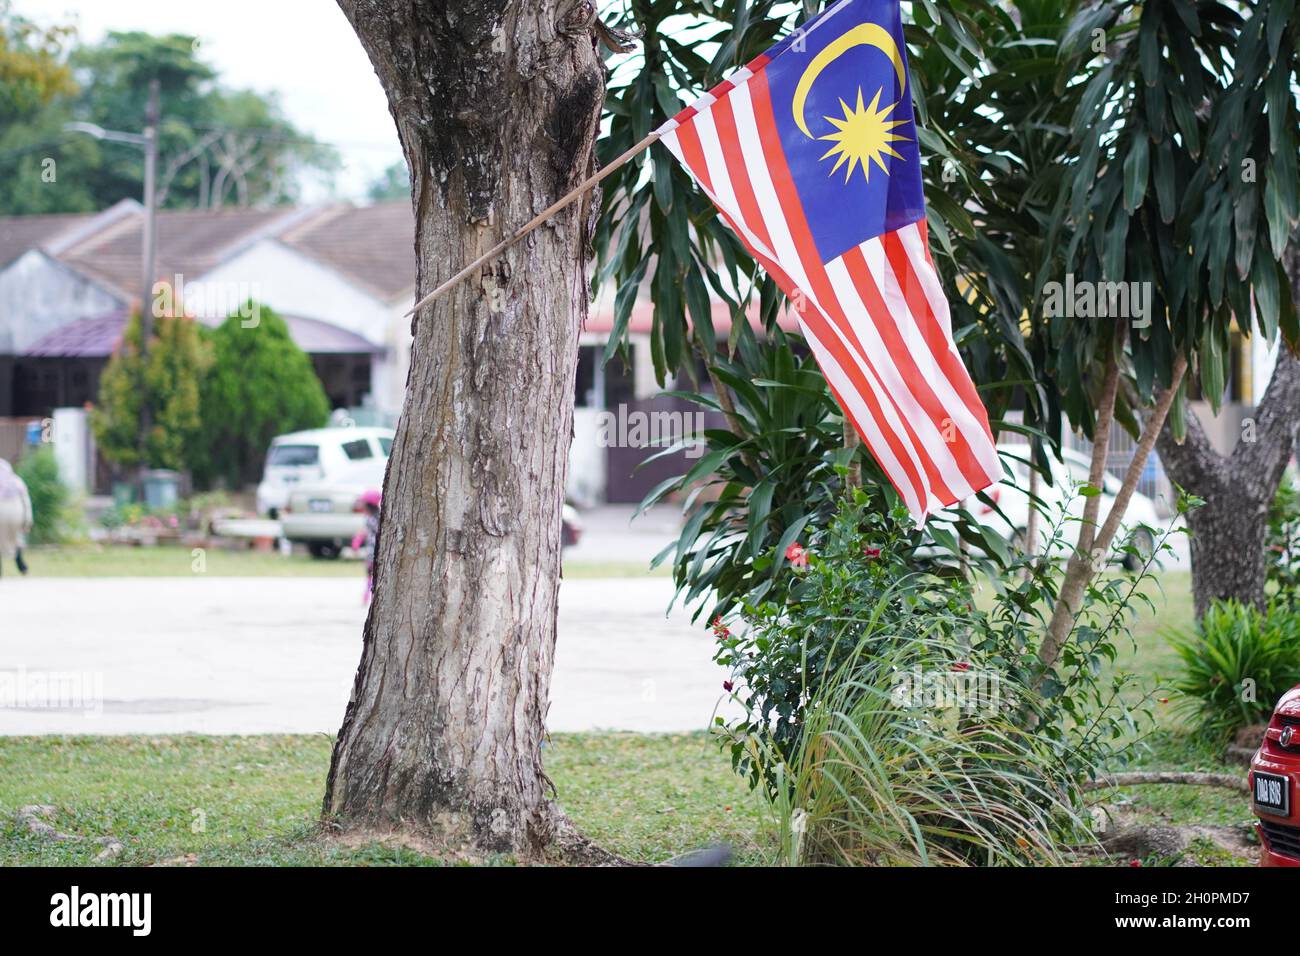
(537, 220)
(851, 441)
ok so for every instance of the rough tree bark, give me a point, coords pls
(1228, 531)
(497, 106)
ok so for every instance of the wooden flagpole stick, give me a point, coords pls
(851, 441)
(537, 220)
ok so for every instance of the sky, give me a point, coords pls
(303, 50)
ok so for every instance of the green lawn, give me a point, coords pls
(254, 800)
(93, 561)
(1153, 659)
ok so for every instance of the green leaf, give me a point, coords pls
(1278, 216)
(1135, 172)
(1165, 182)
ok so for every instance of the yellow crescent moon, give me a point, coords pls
(864, 34)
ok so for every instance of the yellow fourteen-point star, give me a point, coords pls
(863, 137)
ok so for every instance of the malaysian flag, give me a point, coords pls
(810, 154)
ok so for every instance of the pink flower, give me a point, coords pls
(960, 666)
(728, 686)
(796, 555)
(871, 553)
(1134, 862)
(720, 630)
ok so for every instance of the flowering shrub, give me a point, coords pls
(861, 589)
(855, 577)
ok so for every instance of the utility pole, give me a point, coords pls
(147, 259)
(146, 140)
(151, 120)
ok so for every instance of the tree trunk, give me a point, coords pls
(1089, 556)
(1227, 549)
(1228, 531)
(497, 106)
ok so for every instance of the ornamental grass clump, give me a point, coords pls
(1235, 665)
(874, 782)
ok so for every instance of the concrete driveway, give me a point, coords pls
(253, 655)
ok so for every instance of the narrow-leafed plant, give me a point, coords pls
(1236, 664)
(887, 772)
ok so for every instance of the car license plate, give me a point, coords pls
(1273, 793)
(320, 504)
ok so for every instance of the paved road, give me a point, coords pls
(250, 655)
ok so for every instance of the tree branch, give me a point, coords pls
(1229, 781)
(1100, 447)
(1276, 419)
(1140, 455)
(1078, 568)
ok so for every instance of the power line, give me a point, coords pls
(264, 133)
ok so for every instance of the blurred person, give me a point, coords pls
(365, 539)
(15, 516)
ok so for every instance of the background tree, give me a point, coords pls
(170, 375)
(497, 107)
(1186, 181)
(217, 146)
(34, 77)
(393, 183)
(32, 67)
(1229, 531)
(260, 385)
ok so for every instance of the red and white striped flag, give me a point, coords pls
(810, 154)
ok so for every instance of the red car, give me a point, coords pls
(1274, 781)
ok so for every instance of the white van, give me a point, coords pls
(320, 455)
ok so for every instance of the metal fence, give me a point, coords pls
(1154, 483)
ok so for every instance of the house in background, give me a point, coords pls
(352, 268)
(67, 283)
(343, 277)
(62, 369)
